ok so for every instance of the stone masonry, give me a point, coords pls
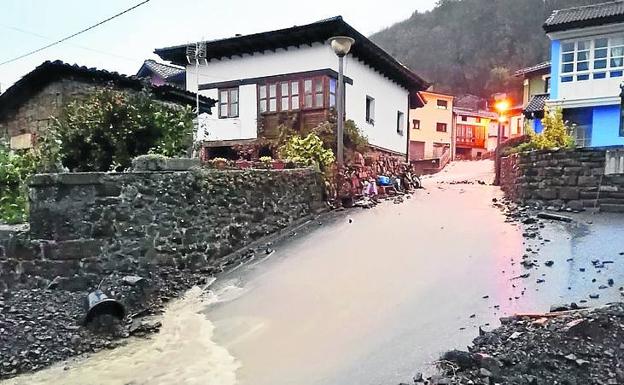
(574, 178)
(86, 225)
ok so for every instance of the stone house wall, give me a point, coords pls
(35, 115)
(86, 225)
(574, 178)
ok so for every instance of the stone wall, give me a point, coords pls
(37, 113)
(574, 178)
(90, 224)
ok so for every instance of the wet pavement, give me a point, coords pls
(370, 296)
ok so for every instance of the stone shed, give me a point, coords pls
(28, 107)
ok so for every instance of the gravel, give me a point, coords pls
(39, 327)
(578, 347)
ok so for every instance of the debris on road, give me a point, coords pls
(554, 217)
(577, 347)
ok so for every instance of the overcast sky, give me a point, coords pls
(123, 43)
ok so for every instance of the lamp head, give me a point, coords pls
(341, 44)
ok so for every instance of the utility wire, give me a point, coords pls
(70, 44)
(74, 34)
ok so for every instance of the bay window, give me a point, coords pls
(598, 58)
(296, 94)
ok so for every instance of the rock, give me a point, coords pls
(463, 359)
(594, 296)
(133, 280)
(610, 282)
(418, 377)
(549, 263)
(555, 217)
(555, 308)
(483, 372)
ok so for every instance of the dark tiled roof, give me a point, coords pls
(163, 70)
(48, 72)
(543, 67)
(475, 112)
(320, 31)
(589, 15)
(536, 104)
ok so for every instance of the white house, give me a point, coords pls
(290, 74)
(587, 56)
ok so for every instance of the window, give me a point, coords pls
(547, 84)
(442, 104)
(416, 124)
(441, 127)
(281, 96)
(464, 118)
(228, 103)
(400, 122)
(370, 110)
(332, 92)
(585, 59)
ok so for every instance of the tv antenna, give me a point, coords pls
(196, 54)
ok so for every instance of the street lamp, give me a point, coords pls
(502, 106)
(341, 46)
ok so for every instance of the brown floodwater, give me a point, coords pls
(368, 301)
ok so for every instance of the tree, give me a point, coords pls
(107, 129)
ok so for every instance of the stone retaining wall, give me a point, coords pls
(88, 224)
(563, 177)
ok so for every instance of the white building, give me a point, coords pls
(264, 79)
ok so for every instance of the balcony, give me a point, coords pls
(472, 136)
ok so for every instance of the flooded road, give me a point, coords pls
(367, 298)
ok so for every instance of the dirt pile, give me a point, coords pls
(575, 348)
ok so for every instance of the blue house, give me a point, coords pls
(587, 56)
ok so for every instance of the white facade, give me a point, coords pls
(390, 97)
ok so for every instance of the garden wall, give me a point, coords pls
(88, 224)
(574, 178)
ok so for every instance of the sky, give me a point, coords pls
(124, 43)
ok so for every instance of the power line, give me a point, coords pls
(71, 44)
(75, 34)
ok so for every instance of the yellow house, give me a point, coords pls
(431, 127)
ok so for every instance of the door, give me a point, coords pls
(417, 150)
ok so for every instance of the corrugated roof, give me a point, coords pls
(536, 104)
(320, 31)
(586, 16)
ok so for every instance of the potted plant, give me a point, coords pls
(266, 161)
(219, 163)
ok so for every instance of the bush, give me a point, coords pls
(107, 129)
(353, 138)
(556, 134)
(309, 151)
(15, 169)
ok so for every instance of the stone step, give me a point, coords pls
(612, 194)
(612, 208)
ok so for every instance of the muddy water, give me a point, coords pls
(182, 353)
(368, 301)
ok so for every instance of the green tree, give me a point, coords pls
(308, 150)
(107, 129)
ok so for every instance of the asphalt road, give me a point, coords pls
(371, 296)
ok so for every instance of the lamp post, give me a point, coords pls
(341, 46)
(501, 107)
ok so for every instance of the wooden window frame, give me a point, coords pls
(416, 124)
(438, 124)
(228, 103)
(300, 97)
(444, 105)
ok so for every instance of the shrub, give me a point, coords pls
(108, 128)
(353, 138)
(556, 134)
(15, 169)
(308, 150)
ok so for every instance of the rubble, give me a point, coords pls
(574, 347)
(41, 326)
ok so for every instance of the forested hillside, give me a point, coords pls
(473, 46)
